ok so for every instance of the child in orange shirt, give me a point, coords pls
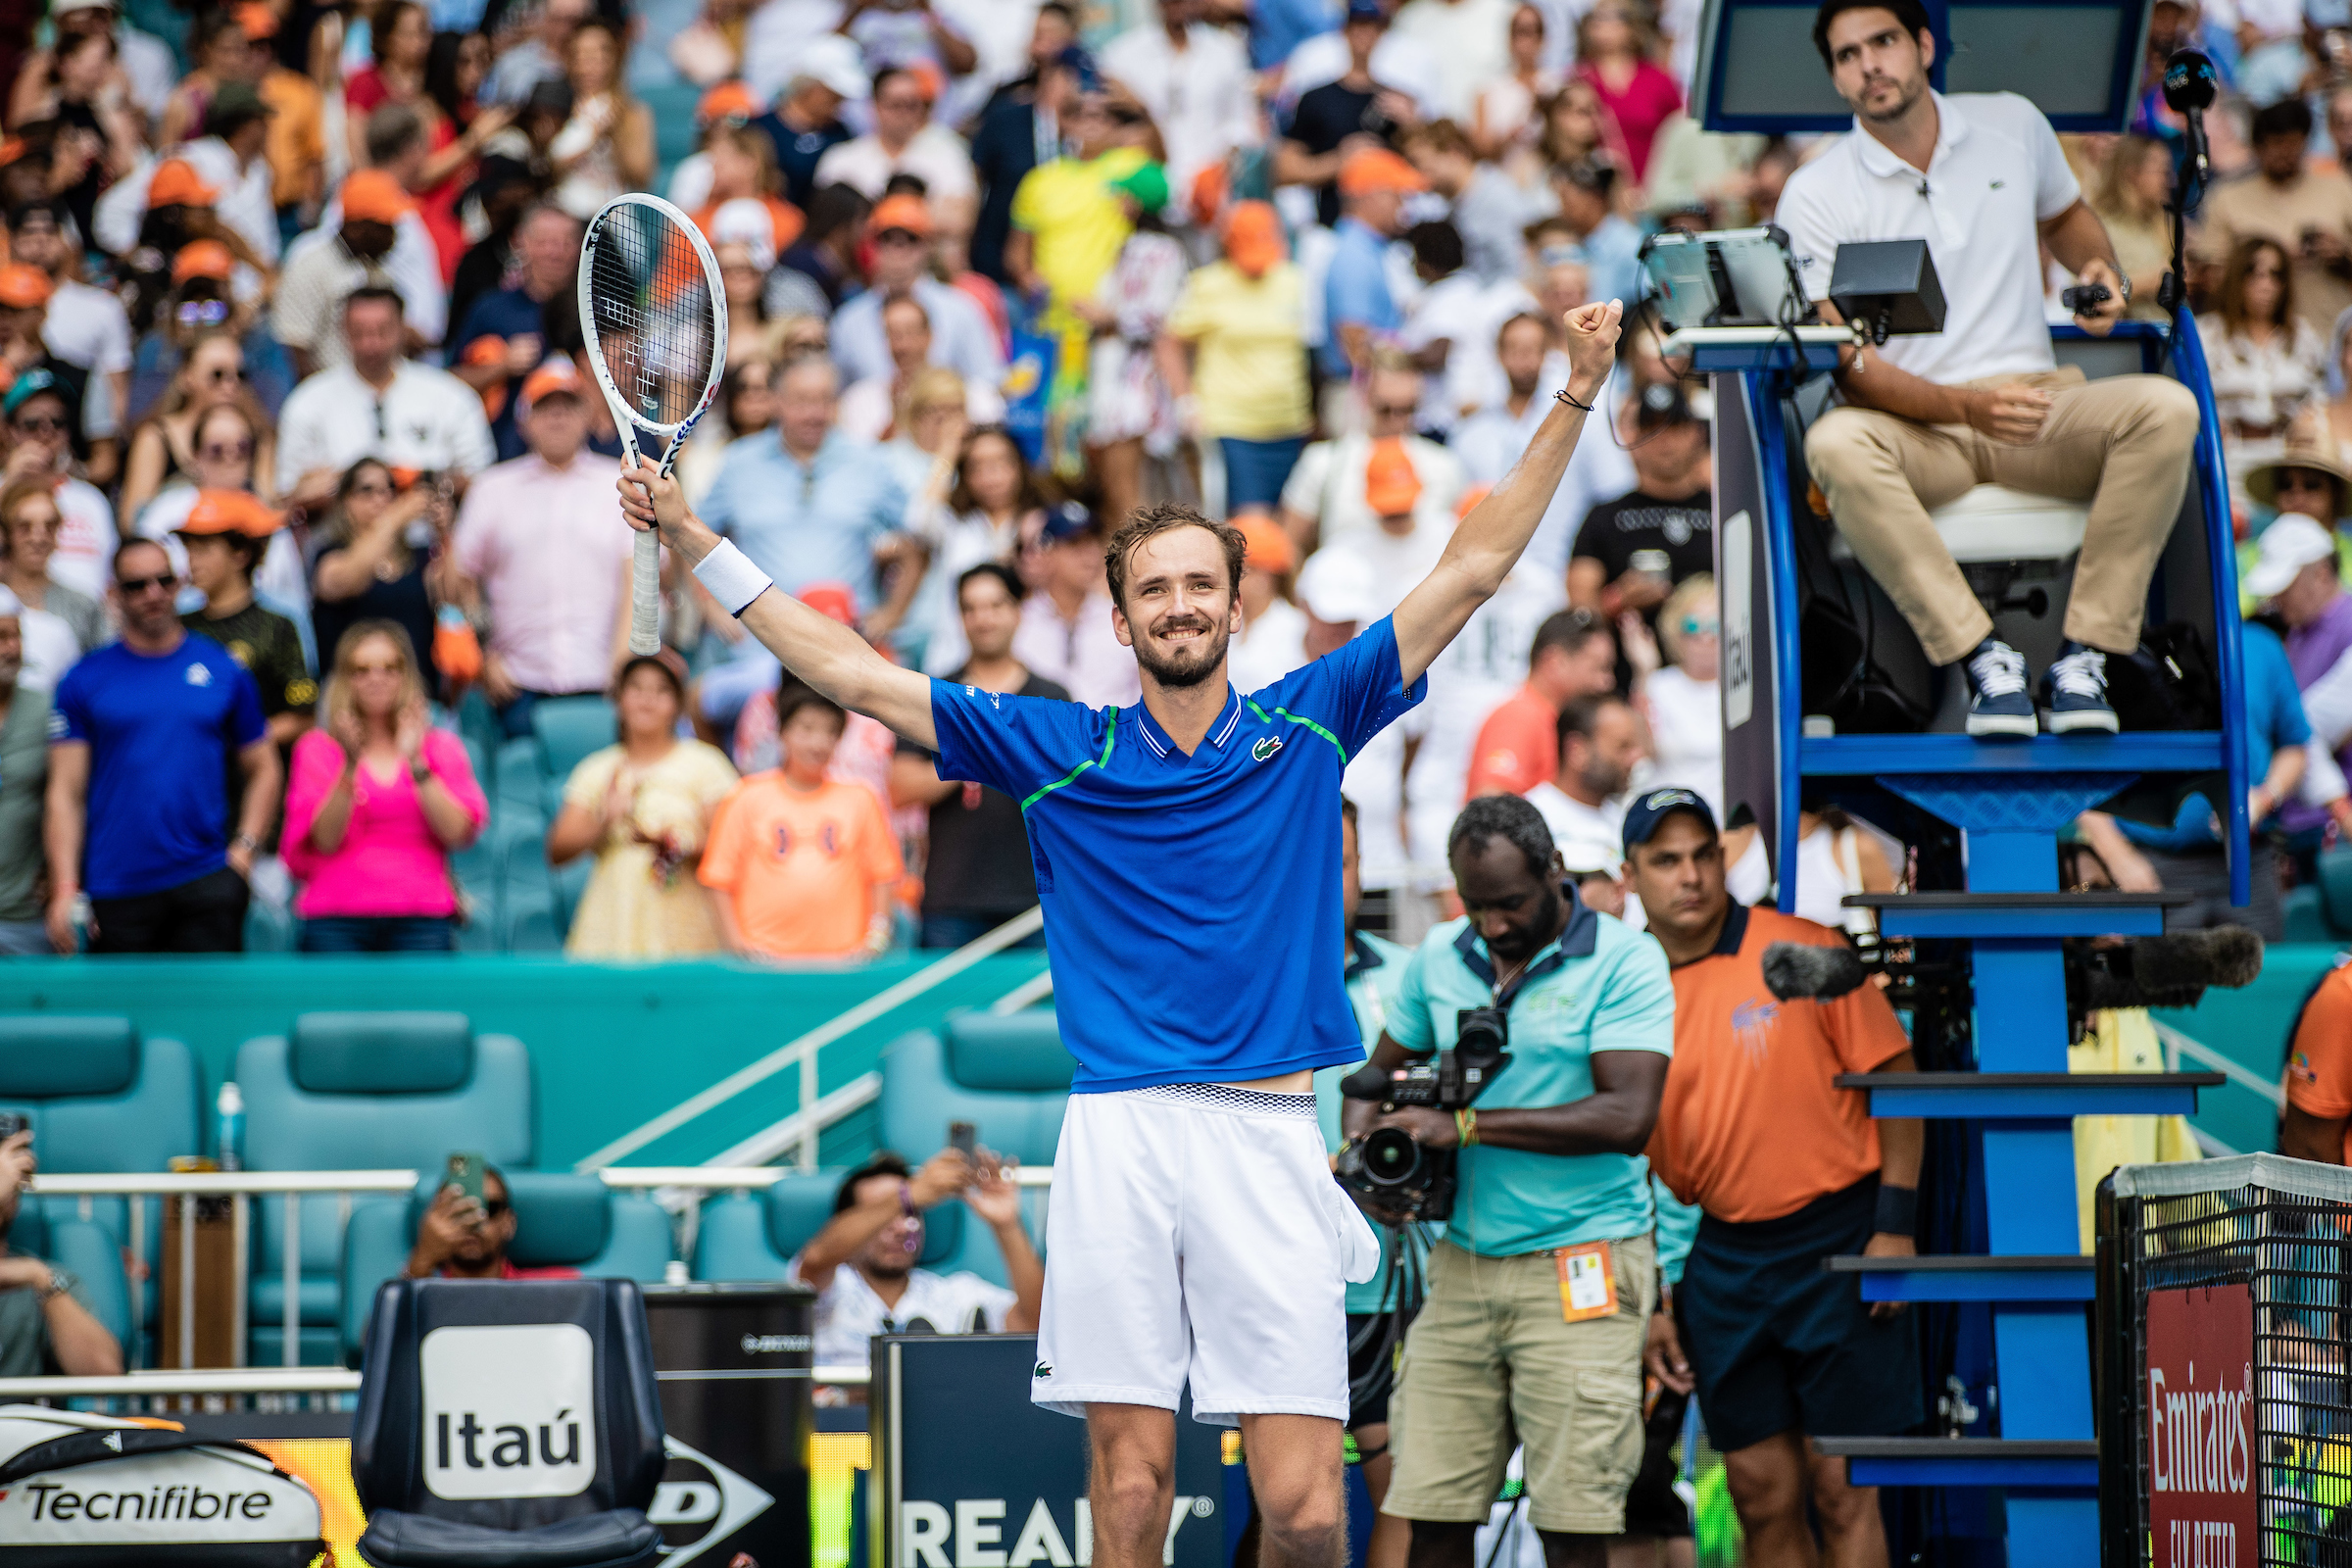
(801, 867)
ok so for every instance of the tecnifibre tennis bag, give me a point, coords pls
(91, 1491)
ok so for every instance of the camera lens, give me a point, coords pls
(1391, 1158)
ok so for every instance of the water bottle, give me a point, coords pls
(229, 1112)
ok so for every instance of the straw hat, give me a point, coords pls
(2306, 448)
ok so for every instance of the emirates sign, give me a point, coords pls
(2203, 1508)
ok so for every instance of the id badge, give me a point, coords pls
(1587, 1282)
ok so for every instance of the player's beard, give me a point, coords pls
(1186, 663)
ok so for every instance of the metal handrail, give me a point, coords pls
(255, 1379)
(729, 1178)
(222, 1183)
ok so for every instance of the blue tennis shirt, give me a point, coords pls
(1192, 903)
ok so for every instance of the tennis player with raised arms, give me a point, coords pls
(1188, 858)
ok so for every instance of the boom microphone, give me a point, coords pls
(1797, 971)
(2189, 85)
(2174, 969)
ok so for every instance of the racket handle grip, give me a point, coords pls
(645, 595)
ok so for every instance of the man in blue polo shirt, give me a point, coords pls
(1541, 1293)
(1187, 856)
(144, 736)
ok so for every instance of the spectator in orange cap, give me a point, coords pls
(1334, 119)
(730, 103)
(743, 167)
(510, 331)
(962, 339)
(85, 326)
(24, 356)
(225, 534)
(297, 143)
(1273, 637)
(1359, 312)
(320, 277)
(1234, 353)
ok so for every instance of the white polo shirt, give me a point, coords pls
(426, 418)
(1996, 174)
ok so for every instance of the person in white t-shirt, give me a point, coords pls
(84, 326)
(1982, 177)
(861, 1264)
(1325, 497)
(1583, 803)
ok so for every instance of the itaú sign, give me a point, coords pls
(2204, 1511)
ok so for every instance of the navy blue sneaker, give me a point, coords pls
(1998, 703)
(2077, 689)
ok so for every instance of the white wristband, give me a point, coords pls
(732, 578)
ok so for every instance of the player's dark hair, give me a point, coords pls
(882, 1163)
(997, 572)
(1580, 715)
(793, 694)
(1568, 630)
(2289, 117)
(1145, 522)
(1503, 816)
(1910, 13)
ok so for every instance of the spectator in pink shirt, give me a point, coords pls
(541, 547)
(378, 802)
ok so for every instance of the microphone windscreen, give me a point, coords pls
(2226, 956)
(2189, 80)
(1796, 971)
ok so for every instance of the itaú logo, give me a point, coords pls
(2197, 1438)
(510, 1411)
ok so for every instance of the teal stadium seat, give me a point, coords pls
(101, 1098)
(560, 1220)
(753, 1236)
(366, 1091)
(567, 729)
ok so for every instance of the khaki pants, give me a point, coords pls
(1489, 1365)
(2121, 443)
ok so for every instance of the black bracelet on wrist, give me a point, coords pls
(1899, 1211)
(1562, 396)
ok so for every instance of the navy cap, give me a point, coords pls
(1081, 64)
(1367, 11)
(1069, 521)
(1641, 818)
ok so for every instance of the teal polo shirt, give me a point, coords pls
(1375, 966)
(1601, 987)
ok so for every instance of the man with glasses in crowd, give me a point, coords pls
(905, 140)
(462, 1238)
(1326, 497)
(961, 337)
(146, 734)
(380, 405)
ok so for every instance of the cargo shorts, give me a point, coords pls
(1489, 1365)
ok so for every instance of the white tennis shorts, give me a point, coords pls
(1195, 1232)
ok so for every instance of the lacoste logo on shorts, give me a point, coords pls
(1044, 1369)
(1267, 746)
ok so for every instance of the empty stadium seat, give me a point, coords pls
(567, 729)
(366, 1091)
(101, 1098)
(560, 1220)
(753, 1236)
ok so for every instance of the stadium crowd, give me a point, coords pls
(307, 496)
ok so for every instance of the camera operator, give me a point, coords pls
(1539, 1294)
(1787, 1169)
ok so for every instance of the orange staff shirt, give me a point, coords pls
(1750, 1126)
(800, 865)
(2319, 1061)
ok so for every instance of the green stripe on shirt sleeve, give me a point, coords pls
(1110, 739)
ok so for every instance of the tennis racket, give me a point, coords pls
(655, 320)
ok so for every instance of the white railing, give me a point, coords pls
(240, 1188)
(802, 1052)
(262, 1381)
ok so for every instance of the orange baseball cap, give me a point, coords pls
(729, 100)
(900, 212)
(230, 511)
(926, 77)
(11, 150)
(202, 258)
(1377, 169)
(1270, 547)
(374, 196)
(257, 21)
(23, 287)
(1390, 486)
(832, 599)
(1254, 237)
(177, 184)
(558, 378)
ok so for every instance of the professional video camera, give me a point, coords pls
(1392, 1177)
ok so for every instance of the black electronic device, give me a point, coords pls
(1887, 288)
(964, 1137)
(1391, 1175)
(12, 1122)
(2084, 298)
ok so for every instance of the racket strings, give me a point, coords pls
(653, 315)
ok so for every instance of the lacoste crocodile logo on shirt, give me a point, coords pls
(1266, 747)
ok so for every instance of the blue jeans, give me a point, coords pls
(380, 933)
(954, 930)
(1254, 470)
(514, 719)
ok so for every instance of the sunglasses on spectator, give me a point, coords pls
(1395, 411)
(1692, 626)
(139, 585)
(494, 1208)
(224, 451)
(372, 488)
(42, 424)
(225, 373)
(376, 669)
(203, 313)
